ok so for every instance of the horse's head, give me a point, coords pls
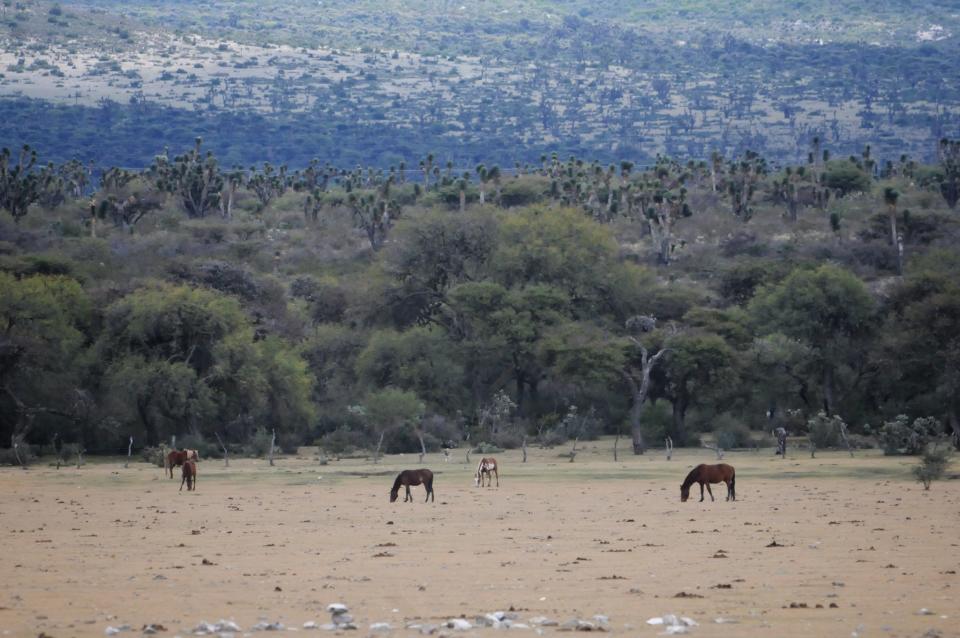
(393, 496)
(684, 493)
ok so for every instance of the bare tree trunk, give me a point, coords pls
(56, 450)
(639, 382)
(524, 448)
(273, 443)
(80, 452)
(845, 438)
(423, 448)
(226, 459)
(573, 452)
(813, 447)
(715, 448)
(616, 442)
(15, 441)
(129, 452)
(376, 453)
(669, 446)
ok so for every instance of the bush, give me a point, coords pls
(733, 435)
(902, 437)
(846, 177)
(259, 443)
(443, 430)
(152, 455)
(554, 437)
(932, 466)
(343, 440)
(507, 439)
(486, 448)
(824, 431)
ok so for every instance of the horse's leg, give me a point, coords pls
(429, 486)
(710, 491)
(701, 492)
(181, 483)
(497, 475)
(409, 496)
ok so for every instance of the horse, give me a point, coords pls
(486, 466)
(189, 472)
(413, 477)
(176, 458)
(707, 474)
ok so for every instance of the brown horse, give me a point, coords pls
(413, 477)
(189, 472)
(176, 458)
(487, 466)
(707, 474)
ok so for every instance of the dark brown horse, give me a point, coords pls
(189, 472)
(707, 474)
(413, 477)
(176, 458)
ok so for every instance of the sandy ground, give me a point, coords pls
(104, 545)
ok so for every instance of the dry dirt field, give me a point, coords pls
(106, 546)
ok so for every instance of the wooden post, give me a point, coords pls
(226, 459)
(129, 452)
(273, 442)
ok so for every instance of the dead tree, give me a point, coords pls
(573, 452)
(273, 443)
(523, 448)
(226, 458)
(669, 446)
(845, 438)
(638, 379)
(376, 453)
(715, 448)
(129, 452)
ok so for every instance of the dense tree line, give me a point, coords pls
(355, 305)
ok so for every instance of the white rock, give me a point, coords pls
(380, 626)
(111, 631)
(656, 620)
(459, 624)
(337, 608)
(310, 625)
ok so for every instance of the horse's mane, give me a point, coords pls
(396, 483)
(691, 477)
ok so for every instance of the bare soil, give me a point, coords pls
(812, 547)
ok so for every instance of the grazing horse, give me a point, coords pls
(486, 466)
(413, 477)
(176, 458)
(707, 474)
(189, 472)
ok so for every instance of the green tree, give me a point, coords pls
(827, 309)
(20, 184)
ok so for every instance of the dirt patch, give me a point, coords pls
(106, 546)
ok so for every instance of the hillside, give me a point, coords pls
(375, 83)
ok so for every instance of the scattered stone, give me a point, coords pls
(725, 621)
(834, 605)
(459, 624)
(159, 577)
(673, 624)
(111, 631)
(380, 626)
(924, 612)
(798, 605)
(337, 608)
(153, 628)
(207, 562)
(774, 543)
(543, 621)
(684, 594)
(310, 625)
(268, 626)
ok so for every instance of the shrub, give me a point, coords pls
(343, 440)
(259, 443)
(507, 439)
(824, 431)
(486, 448)
(152, 455)
(902, 437)
(733, 435)
(553, 438)
(933, 464)
(204, 448)
(846, 177)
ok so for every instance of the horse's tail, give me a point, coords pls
(733, 483)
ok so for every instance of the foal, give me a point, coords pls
(486, 466)
(707, 474)
(413, 477)
(189, 476)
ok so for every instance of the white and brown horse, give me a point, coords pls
(487, 466)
